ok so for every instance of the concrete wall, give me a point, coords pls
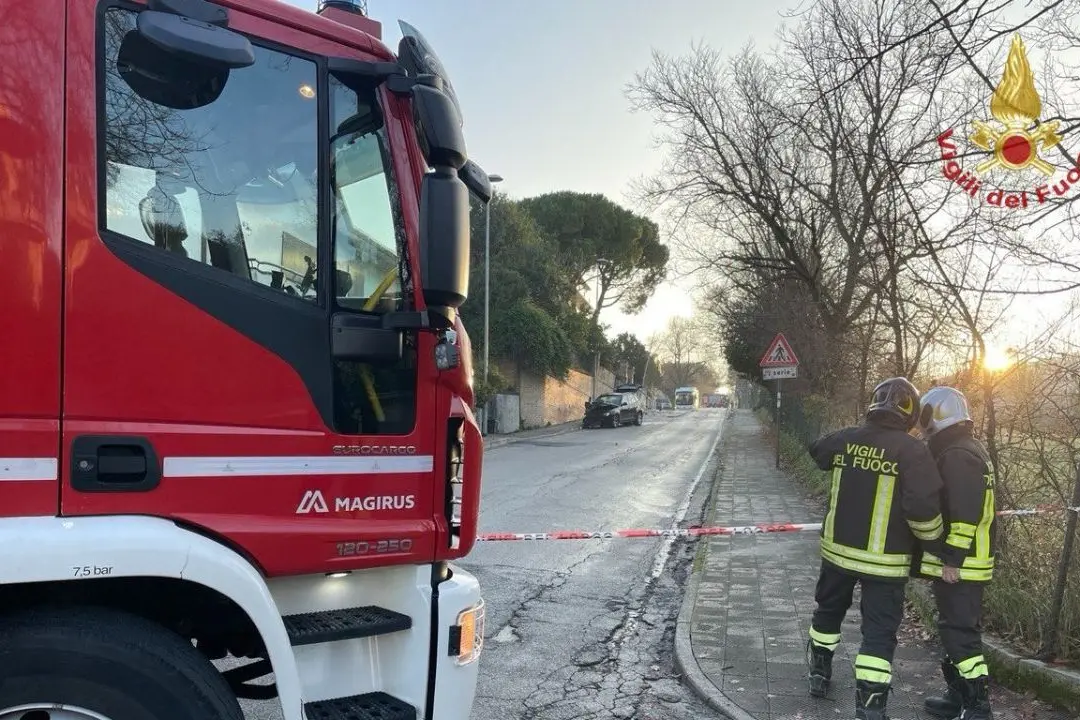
(547, 401)
(506, 410)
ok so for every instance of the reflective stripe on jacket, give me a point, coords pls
(968, 505)
(884, 493)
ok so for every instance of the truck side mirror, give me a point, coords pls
(181, 52)
(477, 181)
(195, 31)
(439, 124)
(364, 338)
(444, 238)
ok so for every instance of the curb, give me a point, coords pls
(688, 664)
(497, 441)
(1056, 686)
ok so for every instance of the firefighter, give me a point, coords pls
(885, 489)
(965, 561)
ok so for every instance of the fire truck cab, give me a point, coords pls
(236, 449)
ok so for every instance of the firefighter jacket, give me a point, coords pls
(885, 493)
(968, 507)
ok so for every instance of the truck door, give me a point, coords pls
(214, 225)
(31, 237)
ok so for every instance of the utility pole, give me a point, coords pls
(600, 264)
(487, 276)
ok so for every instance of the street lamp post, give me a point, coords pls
(487, 276)
(600, 264)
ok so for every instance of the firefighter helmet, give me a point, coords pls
(942, 407)
(898, 398)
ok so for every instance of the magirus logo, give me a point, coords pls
(313, 501)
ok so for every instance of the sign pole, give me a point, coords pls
(778, 381)
(779, 363)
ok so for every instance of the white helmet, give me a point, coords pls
(942, 407)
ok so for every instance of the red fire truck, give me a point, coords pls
(237, 454)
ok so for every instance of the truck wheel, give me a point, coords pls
(99, 664)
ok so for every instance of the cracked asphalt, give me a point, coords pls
(585, 628)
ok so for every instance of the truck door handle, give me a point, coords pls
(113, 463)
(123, 467)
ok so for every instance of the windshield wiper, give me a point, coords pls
(363, 123)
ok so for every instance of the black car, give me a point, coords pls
(613, 410)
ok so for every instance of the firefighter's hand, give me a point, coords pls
(950, 574)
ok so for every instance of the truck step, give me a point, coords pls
(347, 624)
(370, 706)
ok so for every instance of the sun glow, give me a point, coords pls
(997, 359)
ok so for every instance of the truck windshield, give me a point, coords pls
(234, 184)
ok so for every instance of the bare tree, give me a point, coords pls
(682, 350)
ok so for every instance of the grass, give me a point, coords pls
(795, 459)
(702, 550)
(1005, 670)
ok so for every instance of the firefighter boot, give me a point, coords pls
(949, 705)
(976, 703)
(870, 700)
(820, 670)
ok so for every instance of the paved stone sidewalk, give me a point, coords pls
(756, 595)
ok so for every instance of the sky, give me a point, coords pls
(542, 90)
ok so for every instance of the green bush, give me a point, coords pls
(533, 338)
(483, 390)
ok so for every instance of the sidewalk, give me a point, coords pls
(754, 597)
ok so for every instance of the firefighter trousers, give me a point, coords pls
(959, 609)
(882, 609)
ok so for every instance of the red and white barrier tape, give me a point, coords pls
(758, 529)
(1038, 510)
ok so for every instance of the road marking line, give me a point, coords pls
(661, 557)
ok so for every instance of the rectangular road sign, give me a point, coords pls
(780, 373)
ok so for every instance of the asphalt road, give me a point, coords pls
(584, 629)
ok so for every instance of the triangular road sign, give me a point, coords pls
(779, 354)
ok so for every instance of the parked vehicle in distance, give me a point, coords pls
(714, 400)
(663, 404)
(686, 397)
(612, 410)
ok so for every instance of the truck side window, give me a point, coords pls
(370, 263)
(367, 229)
(231, 184)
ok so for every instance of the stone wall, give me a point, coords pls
(549, 401)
